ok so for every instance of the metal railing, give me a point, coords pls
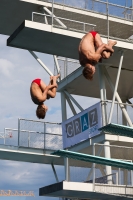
(106, 25)
(67, 66)
(122, 153)
(118, 117)
(81, 171)
(34, 134)
(62, 22)
(45, 135)
(99, 6)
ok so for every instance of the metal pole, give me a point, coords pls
(52, 11)
(41, 63)
(4, 136)
(116, 178)
(102, 95)
(108, 19)
(104, 115)
(44, 134)
(93, 166)
(117, 113)
(56, 177)
(64, 117)
(59, 21)
(71, 106)
(124, 121)
(63, 107)
(18, 131)
(28, 139)
(108, 155)
(119, 176)
(74, 101)
(131, 177)
(57, 66)
(116, 86)
(66, 160)
(118, 98)
(132, 10)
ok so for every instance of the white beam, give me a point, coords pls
(56, 177)
(74, 101)
(41, 63)
(50, 13)
(57, 66)
(116, 86)
(71, 106)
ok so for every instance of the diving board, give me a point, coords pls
(94, 159)
(117, 129)
(44, 38)
(32, 155)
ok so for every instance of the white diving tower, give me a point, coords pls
(57, 28)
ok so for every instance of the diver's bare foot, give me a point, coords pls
(112, 43)
(51, 78)
(57, 76)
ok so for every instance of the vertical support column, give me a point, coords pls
(108, 155)
(104, 117)
(125, 171)
(107, 8)
(64, 117)
(124, 121)
(103, 95)
(119, 176)
(4, 136)
(52, 12)
(93, 168)
(131, 177)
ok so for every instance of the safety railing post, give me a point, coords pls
(93, 168)
(18, 131)
(4, 136)
(107, 9)
(28, 139)
(116, 178)
(52, 12)
(44, 134)
(84, 27)
(131, 177)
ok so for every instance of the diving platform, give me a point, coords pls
(31, 35)
(94, 159)
(118, 130)
(87, 191)
(43, 38)
(31, 155)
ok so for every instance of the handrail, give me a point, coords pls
(40, 121)
(62, 18)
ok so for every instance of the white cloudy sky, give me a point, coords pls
(17, 69)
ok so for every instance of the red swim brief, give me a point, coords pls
(93, 33)
(37, 81)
